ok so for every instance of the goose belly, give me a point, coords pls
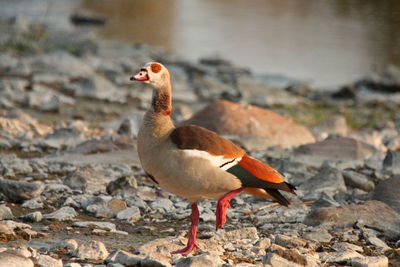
(189, 177)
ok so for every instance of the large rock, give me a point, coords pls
(342, 150)
(230, 118)
(15, 191)
(374, 214)
(388, 191)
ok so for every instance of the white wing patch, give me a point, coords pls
(218, 161)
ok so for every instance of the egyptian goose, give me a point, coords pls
(195, 163)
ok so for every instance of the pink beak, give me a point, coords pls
(141, 76)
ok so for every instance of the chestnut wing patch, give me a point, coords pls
(198, 138)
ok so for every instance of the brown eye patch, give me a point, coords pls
(156, 68)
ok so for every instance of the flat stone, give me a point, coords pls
(33, 204)
(320, 235)
(343, 246)
(388, 191)
(279, 256)
(373, 213)
(357, 180)
(47, 261)
(343, 256)
(92, 250)
(105, 206)
(18, 191)
(64, 137)
(163, 204)
(60, 62)
(8, 259)
(124, 258)
(5, 213)
(341, 150)
(87, 180)
(63, 214)
(378, 261)
(228, 118)
(289, 241)
(328, 181)
(205, 259)
(131, 214)
(45, 99)
(335, 125)
(72, 264)
(98, 87)
(239, 234)
(378, 243)
(95, 224)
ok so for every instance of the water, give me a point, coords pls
(327, 42)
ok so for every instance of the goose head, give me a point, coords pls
(154, 73)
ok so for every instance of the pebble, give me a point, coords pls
(33, 217)
(131, 214)
(122, 186)
(162, 204)
(100, 225)
(5, 213)
(358, 180)
(92, 250)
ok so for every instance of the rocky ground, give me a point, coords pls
(73, 193)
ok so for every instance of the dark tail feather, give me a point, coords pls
(278, 196)
(291, 188)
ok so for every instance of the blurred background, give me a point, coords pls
(328, 43)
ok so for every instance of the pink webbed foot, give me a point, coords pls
(191, 244)
(222, 205)
(189, 247)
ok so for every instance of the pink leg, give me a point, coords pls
(191, 244)
(222, 205)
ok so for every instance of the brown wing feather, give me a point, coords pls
(195, 137)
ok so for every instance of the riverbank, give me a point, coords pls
(74, 194)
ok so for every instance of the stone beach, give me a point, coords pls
(72, 191)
